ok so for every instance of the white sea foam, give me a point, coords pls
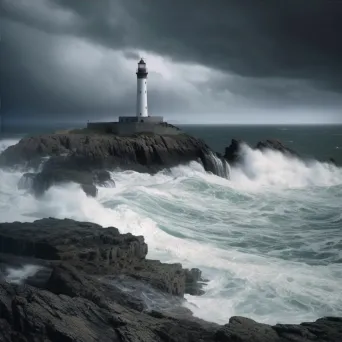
(4, 143)
(269, 239)
(18, 275)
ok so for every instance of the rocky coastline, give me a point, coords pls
(68, 281)
(86, 158)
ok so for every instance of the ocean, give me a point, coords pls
(269, 239)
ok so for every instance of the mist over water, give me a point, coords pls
(269, 239)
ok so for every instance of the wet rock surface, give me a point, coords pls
(68, 281)
(275, 145)
(233, 153)
(95, 250)
(143, 153)
(39, 182)
(81, 158)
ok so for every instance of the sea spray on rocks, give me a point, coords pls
(268, 239)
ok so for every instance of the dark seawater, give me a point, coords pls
(269, 238)
(320, 142)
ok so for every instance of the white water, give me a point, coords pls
(221, 167)
(269, 239)
(17, 275)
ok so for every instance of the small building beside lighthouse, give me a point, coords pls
(142, 122)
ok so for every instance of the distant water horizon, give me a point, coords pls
(327, 137)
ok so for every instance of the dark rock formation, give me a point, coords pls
(246, 330)
(81, 312)
(193, 279)
(233, 151)
(89, 189)
(275, 145)
(95, 250)
(75, 157)
(38, 183)
(148, 153)
(92, 284)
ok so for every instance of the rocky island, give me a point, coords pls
(86, 157)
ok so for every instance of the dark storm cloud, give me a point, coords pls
(293, 38)
(280, 51)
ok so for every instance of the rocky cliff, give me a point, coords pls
(80, 157)
(94, 250)
(149, 153)
(68, 281)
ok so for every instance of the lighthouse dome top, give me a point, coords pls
(142, 70)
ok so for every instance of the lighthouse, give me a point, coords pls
(141, 122)
(142, 110)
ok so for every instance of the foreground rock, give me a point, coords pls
(94, 250)
(75, 157)
(82, 283)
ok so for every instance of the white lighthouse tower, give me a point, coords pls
(142, 110)
(141, 122)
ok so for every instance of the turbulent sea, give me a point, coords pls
(269, 239)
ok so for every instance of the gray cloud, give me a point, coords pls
(294, 39)
(78, 57)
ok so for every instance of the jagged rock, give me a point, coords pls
(48, 177)
(74, 300)
(53, 174)
(193, 279)
(143, 153)
(103, 178)
(29, 314)
(89, 189)
(247, 330)
(275, 145)
(86, 312)
(93, 249)
(232, 152)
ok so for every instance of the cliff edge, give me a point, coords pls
(80, 157)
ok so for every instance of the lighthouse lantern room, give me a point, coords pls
(142, 110)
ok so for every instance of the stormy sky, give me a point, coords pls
(215, 61)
